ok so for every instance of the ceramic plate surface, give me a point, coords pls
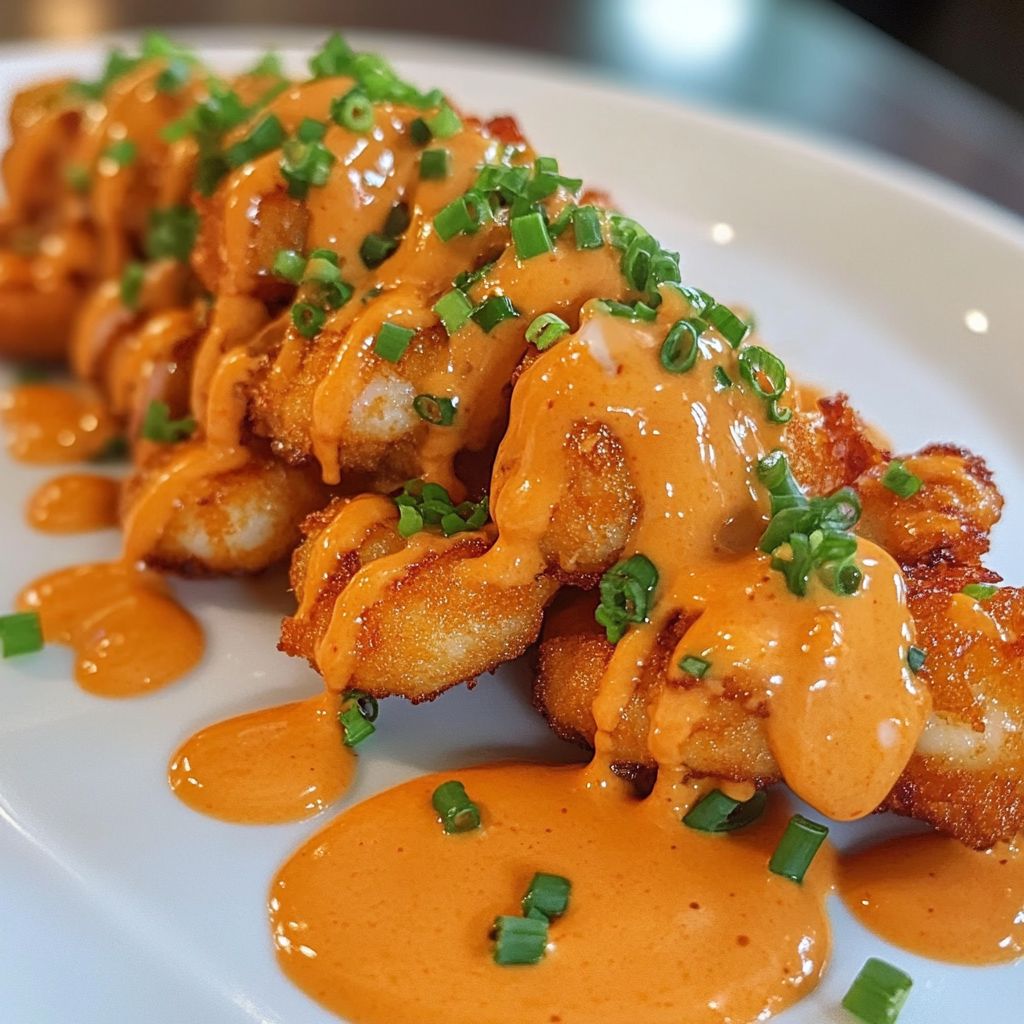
(120, 904)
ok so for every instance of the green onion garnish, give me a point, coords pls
(305, 165)
(681, 346)
(717, 812)
(638, 310)
(695, 666)
(727, 323)
(21, 633)
(132, 277)
(878, 993)
(454, 808)
(268, 66)
(980, 591)
(174, 76)
(586, 222)
(335, 58)
(545, 330)
(462, 216)
(492, 311)
(627, 594)
(118, 64)
(722, 379)
(454, 309)
(376, 248)
(289, 264)
(898, 479)
(158, 426)
(547, 897)
(123, 152)
(268, 134)
(444, 124)
(353, 111)
(428, 504)
(419, 131)
(392, 341)
(530, 235)
(519, 940)
(77, 178)
(435, 164)
(310, 130)
(358, 713)
(435, 409)
(797, 848)
(171, 233)
(308, 319)
(766, 375)
(916, 657)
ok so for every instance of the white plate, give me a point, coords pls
(119, 904)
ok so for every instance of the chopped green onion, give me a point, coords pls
(898, 479)
(392, 341)
(519, 940)
(268, 66)
(376, 248)
(545, 330)
(454, 808)
(21, 633)
(638, 310)
(722, 379)
(77, 178)
(435, 164)
(695, 666)
(132, 277)
(428, 504)
(766, 374)
(444, 124)
(310, 130)
(358, 713)
(467, 278)
(586, 222)
(454, 309)
(492, 311)
(727, 323)
(410, 520)
(435, 409)
(878, 993)
(562, 221)
(916, 657)
(681, 346)
(308, 319)
(290, 265)
(305, 165)
(117, 66)
(797, 848)
(530, 235)
(158, 426)
(268, 134)
(627, 594)
(334, 59)
(419, 132)
(462, 216)
(397, 220)
(980, 591)
(174, 76)
(717, 812)
(115, 450)
(123, 152)
(548, 897)
(545, 165)
(353, 111)
(171, 233)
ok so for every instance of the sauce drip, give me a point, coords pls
(382, 917)
(933, 896)
(74, 503)
(279, 764)
(49, 424)
(128, 633)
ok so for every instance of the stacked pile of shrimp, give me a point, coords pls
(339, 319)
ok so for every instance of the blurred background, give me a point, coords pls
(939, 83)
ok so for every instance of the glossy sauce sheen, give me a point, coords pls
(49, 424)
(935, 897)
(383, 918)
(128, 633)
(275, 765)
(74, 503)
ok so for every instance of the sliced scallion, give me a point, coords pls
(392, 341)
(435, 409)
(21, 633)
(898, 479)
(456, 811)
(797, 848)
(548, 896)
(454, 309)
(717, 812)
(878, 993)
(545, 330)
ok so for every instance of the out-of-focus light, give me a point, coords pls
(66, 19)
(976, 321)
(722, 233)
(690, 30)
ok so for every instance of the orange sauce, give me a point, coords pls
(935, 897)
(275, 765)
(382, 917)
(128, 633)
(74, 503)
(46, 423)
